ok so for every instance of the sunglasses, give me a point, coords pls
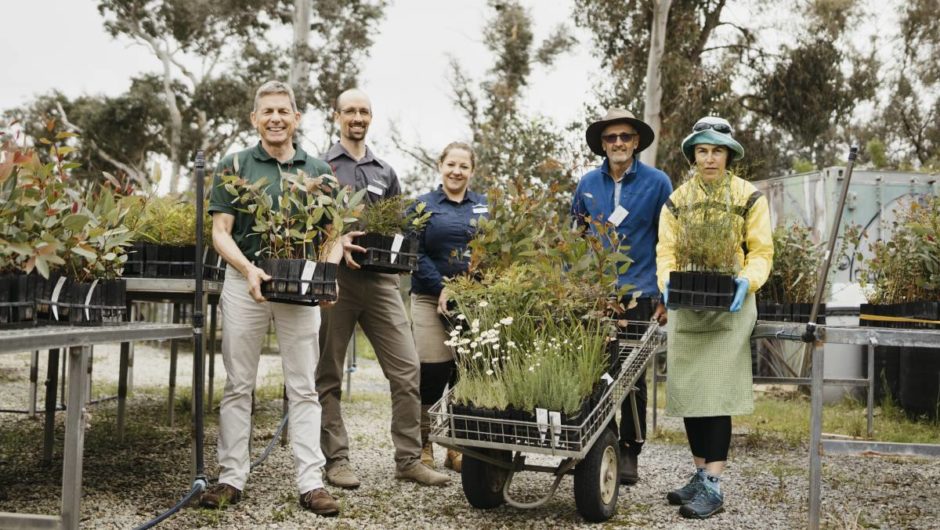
(719, 127)
(623, 137)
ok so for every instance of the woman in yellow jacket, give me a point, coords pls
(709, 356)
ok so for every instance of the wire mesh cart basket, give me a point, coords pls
(495, 449)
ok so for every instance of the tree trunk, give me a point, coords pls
(652, 111)
(299, 64)
(176, 120)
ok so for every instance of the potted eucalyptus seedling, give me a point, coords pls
(391, 238)
(166, 239)
(297, 228)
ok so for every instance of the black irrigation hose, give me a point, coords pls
(198, 487)
(270, 447)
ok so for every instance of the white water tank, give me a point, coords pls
(843, 360)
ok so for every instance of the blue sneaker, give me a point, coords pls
(686, 493)
(707, 502)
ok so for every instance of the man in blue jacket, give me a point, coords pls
(628, 194)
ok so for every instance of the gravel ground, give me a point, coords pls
(127, 483)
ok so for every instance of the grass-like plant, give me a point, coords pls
(169, 220)
(394, 215)
(709, 231)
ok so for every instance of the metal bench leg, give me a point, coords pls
(33, 382)
(74, 438)
(52, 385)
(213, 311)
(174, 352)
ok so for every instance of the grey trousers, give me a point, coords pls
(373, 301)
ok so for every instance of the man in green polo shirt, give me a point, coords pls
(245, 313)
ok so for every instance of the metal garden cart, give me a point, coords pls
(495, 449)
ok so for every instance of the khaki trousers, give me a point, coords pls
(429, 330)
(373, 301)
(244, 325)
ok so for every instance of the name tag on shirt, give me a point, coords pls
(375, 189)
(618, 215)
(482, 208)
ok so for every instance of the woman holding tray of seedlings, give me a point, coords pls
(715, 221)
(441, 248)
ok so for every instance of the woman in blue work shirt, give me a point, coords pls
(441, 255)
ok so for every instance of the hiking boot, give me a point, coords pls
(454, 460)
(686, 493)
(320, 502)
(706, 503)
(628, 470)
(427, 455)
(220, 495)
(422, 474)
(341, 475)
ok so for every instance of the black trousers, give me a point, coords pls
(434, 378)
(628, 436)
(709, 437)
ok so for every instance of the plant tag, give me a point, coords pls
(541, 417)
(608, 378)
(91, 290)
(480, 209)
(555, 419)
(619, 214)
(375, 189)
(396, 246)
(307, 275)
(55, 296)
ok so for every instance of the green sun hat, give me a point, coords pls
(711, 130)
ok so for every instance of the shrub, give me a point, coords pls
(394, 215)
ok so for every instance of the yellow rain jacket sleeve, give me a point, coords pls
(755, 266)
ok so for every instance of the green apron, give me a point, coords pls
(709, 362)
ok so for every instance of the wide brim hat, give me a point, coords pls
(615, 115)
(712, 137)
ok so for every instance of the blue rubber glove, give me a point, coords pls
(666, 293)
(739, 293)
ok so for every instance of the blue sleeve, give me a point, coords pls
(427, 273)
(578, 210)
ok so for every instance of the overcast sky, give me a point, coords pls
(61, 44)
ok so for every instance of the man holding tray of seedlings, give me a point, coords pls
(246, 314)
(627, 194)
(373, 300)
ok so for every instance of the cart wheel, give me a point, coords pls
(596, 480)
(483, 482)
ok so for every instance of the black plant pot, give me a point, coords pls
(919, 378)
(699, 290)
(18, 300)
(613, 355)
(381, 256)
(449, 321)
(213, 266)
(134, 266)
(887, 358)
(525, 434)
(65, 301)
(168, 261)
(290, 284)
(789, 312)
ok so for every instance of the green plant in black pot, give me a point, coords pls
(166, 242)
(708, 234)
(788, 294)
(297, 228)
(391, 238)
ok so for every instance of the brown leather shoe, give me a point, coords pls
(220, 495)
(320, 502)
(454, 460)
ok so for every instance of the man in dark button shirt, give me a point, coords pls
(373, 300)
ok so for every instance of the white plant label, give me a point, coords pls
(555, 419)
(619, 214)
(608, 378)
(396, 246)
(91, 291)
(541, 417)
(55, 296)
(307, 275)
(375, 189)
